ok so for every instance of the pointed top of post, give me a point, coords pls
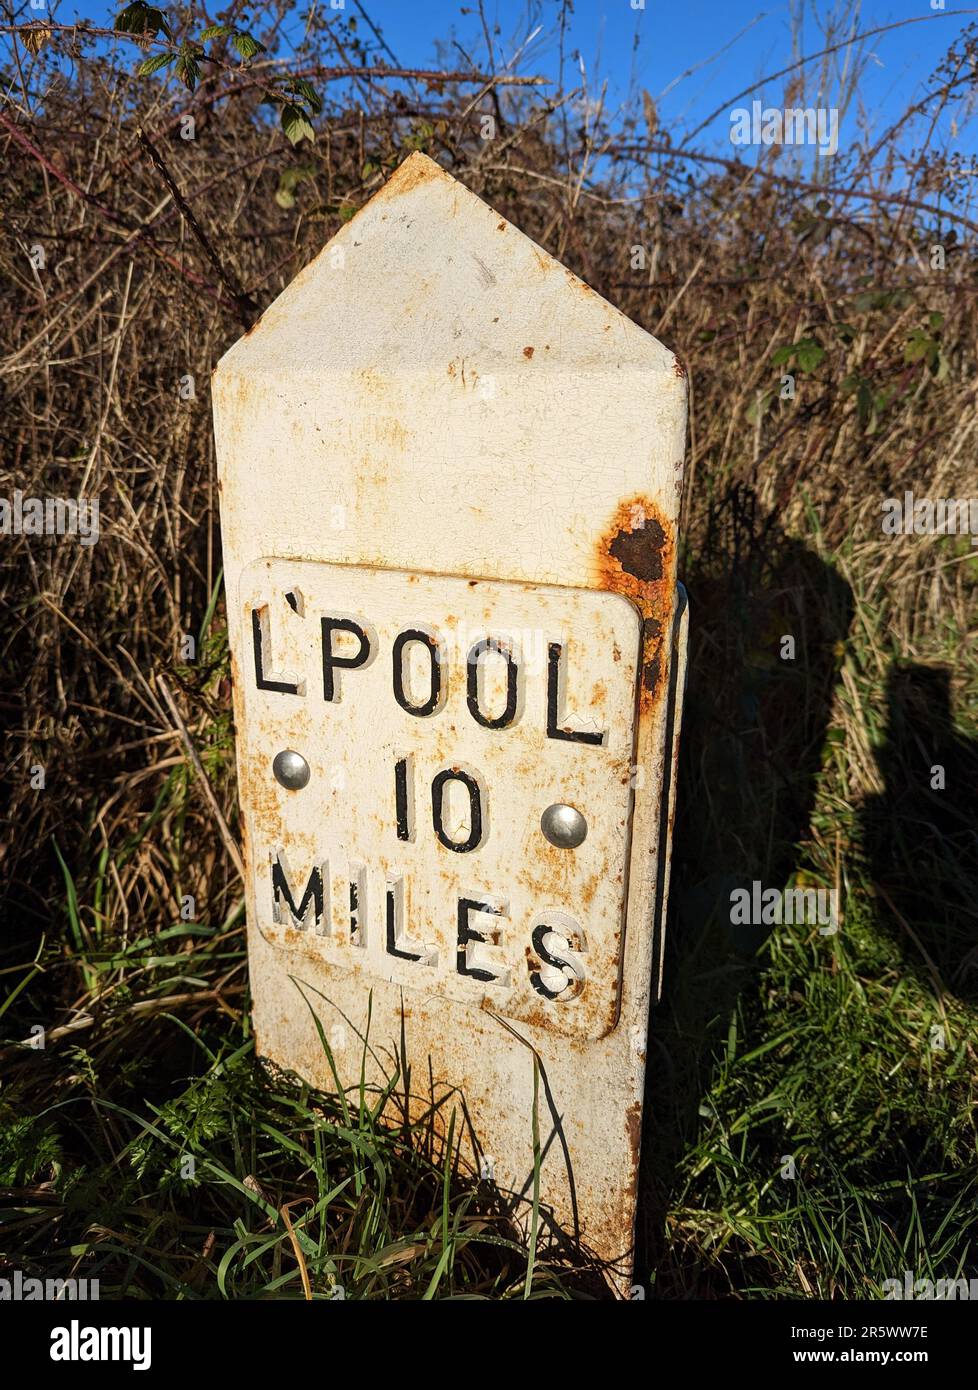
(429, 278)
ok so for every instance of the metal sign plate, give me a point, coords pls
(439, 719)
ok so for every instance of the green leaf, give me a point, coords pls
(215, 31)
(288, 181)
(132, 19)
(246, 46)
(883, 398)
(865, 405)
(307, 92)
(809, 354)
(159, 60)
(188, 69)
(140, 18)
(71, 896)
(867, 300)
(296, 125)
(921, 347)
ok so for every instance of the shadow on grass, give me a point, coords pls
(920, 835)
(754, 727)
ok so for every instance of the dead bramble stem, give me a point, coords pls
(226, 836)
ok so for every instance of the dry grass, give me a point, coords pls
(782, 533)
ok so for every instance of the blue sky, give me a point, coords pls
(735, 41)
(690, 55)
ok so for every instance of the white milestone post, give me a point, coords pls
(450, 483)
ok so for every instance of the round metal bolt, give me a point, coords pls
(291, 769)
(564, 826)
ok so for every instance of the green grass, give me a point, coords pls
(804, 1135)
(826, 1062)
(812, 1111)
(228, 1180)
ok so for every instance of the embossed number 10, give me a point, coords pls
(440, 793)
